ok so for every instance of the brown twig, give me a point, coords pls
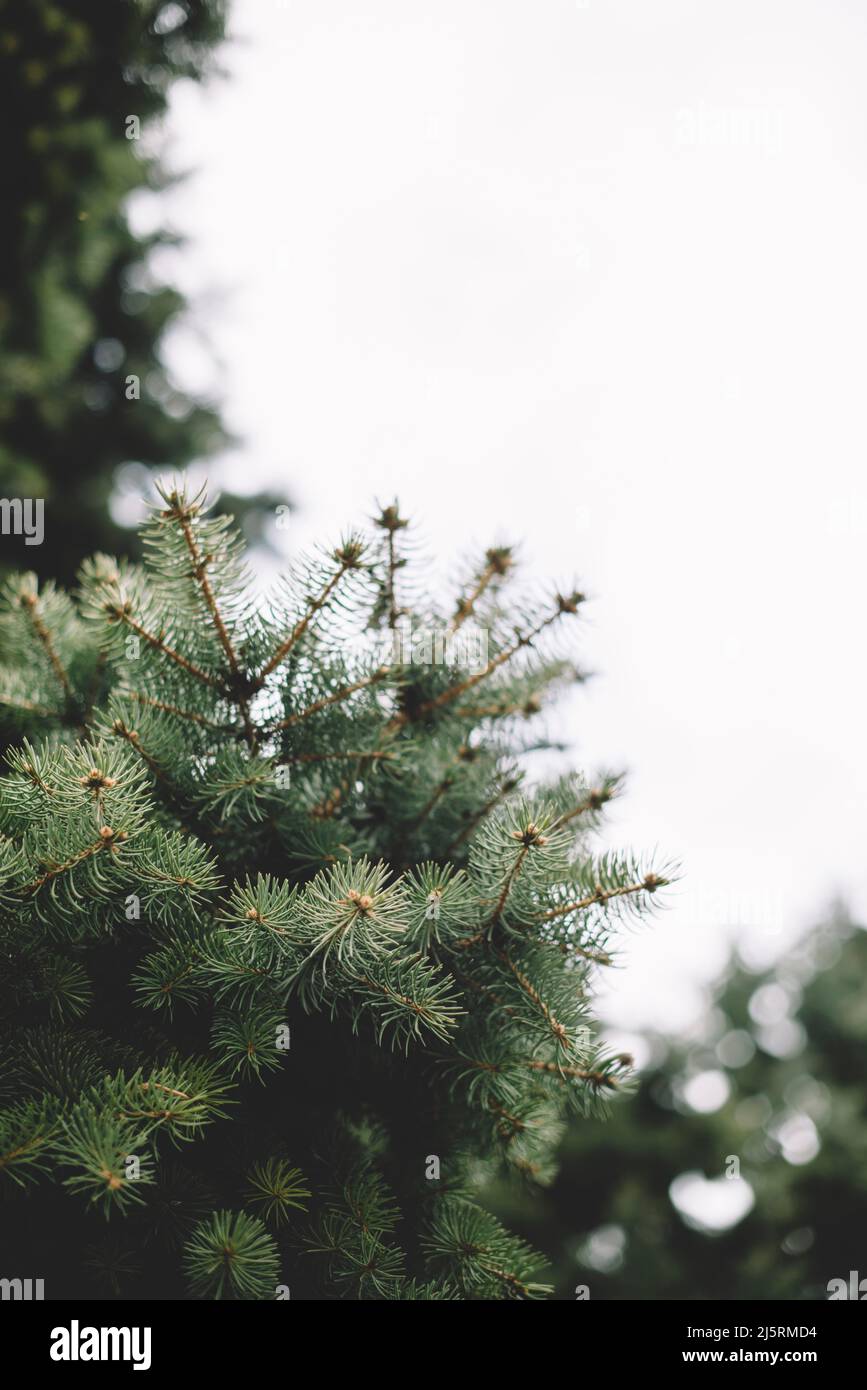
(200, 573)
(287, 645)
(499, 561)
(455, 691)
(535, 997)
(121, 613)
(107, 840)
(603, 895)
(342, 694)
(194, 718)
(31, 603)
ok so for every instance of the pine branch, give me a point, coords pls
(649, 884)
(232, 1255)
(190, 716)
(390, 521)
(27, 706)
(133, 739)
(338, 696)
(179, 511)
(117, 612)
(108, 840)
(348, 558)
(498, 562)
(596, 1078)
(30, 603)
(523, 640)
(559, 1033)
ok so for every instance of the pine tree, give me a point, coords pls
(83, 314)
(293, 956)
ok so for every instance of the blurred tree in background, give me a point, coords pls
(80, 311)
(773, 1078)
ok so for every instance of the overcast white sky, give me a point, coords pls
(588, 274)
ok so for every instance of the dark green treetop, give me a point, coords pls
(284, 927)
(82, 314)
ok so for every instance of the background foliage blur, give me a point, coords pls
(80, 309)
(773, 1077)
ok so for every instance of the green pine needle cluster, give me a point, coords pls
(294, 957)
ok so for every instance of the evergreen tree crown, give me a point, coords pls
(295, 958)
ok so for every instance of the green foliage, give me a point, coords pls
(791, 1111)
(486, 1261)
(272, 891)
(232, 1255)
(81, 309)
(26, 1129)
(275, 1188)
